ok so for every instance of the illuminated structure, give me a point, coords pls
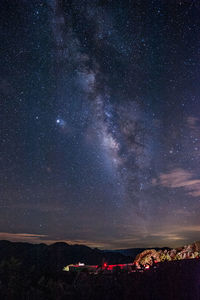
(99, 268)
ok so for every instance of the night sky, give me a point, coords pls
(100, 122)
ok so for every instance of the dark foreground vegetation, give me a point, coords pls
(169, 280)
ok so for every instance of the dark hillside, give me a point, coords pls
(34, 272)
(54, 257)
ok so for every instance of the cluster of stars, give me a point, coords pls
(100, 115)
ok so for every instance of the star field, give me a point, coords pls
(100, 122)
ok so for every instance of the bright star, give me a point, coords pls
(61, 122)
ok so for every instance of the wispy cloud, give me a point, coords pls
(42, 238)
(22, 237)
(172, 236)
(180, 178)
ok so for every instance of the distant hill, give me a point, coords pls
(133, 252)
(56, 256)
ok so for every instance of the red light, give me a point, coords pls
(105, 265)
(147, 267)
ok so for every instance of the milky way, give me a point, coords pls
(100, 122)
